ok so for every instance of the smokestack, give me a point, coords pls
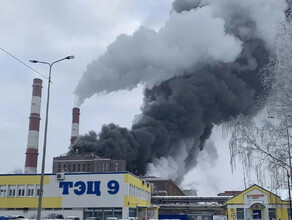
(75, 125)
(34, 125)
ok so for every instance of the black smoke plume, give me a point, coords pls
(181, 110)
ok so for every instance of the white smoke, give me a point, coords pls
(163, 167)
(201, 177)
(266, 13)
(171, 167)
(149, 57)
(186, 39)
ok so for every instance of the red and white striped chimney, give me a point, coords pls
(75, 125)
(31, 159)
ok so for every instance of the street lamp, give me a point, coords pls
(290, 167)
(45, 134)
(289, 192)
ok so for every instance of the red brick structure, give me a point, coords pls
(75, 125)
(163, 187)
(31, 159)
(229, 193)
(86, 163)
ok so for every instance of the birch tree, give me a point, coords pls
(263, 147)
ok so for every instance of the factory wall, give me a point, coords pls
(87, 163)
(81, 194)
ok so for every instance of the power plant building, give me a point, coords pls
(81, 162)
(163, 187)
(100, 195)
(86, 163)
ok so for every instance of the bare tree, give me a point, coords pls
(264, 147)
(17, 170)
(277, 75)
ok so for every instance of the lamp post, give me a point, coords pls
(288, 145)
(290, 202)
(45, 132)
(289, 192)
(290, 163)
(290, 168)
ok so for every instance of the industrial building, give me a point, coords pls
(102, 195)
(81, 162)
(163, 186)
(229, 193)
(203, 207)
(86, 163)
(254, 203)
(86, 185)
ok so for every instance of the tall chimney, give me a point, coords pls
(31, 159)
(75, 125)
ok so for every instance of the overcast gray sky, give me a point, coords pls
(50, 30)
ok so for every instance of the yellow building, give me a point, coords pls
(102, 195)
(257, 203)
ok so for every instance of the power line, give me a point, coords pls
(23, 63)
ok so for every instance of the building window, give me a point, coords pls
(11, 190)
(88, 167)
(3, 190)
(83, 167)
(38, 190)
(240, 213)
(21, 191)
(99, 167)
(272, 214)
(30, 190)
(69, 167)
(73, 167)
(132, 212)
(79, 167)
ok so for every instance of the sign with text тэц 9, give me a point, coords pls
(88, 187)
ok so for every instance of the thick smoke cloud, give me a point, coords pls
(186, 5)
(288, 11)
(199, 69)
(150, 57)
